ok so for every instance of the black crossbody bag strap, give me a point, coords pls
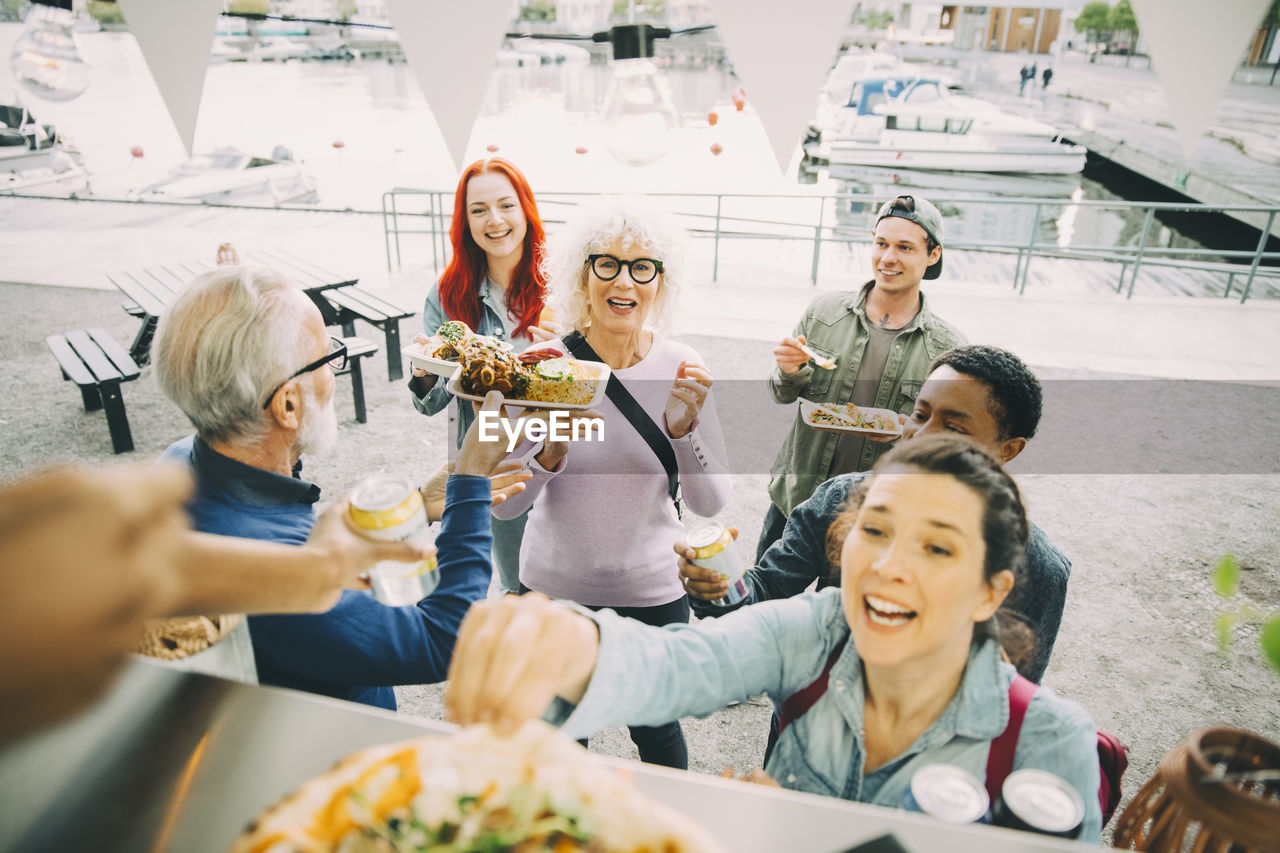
(653, 434)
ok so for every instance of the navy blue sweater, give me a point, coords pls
(358, 649)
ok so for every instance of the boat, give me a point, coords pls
(922, 124)
(34, 158)
(883, 182)
(231, 175)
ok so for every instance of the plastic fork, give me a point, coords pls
(824, 363)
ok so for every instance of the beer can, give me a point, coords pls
(1038, 801)
(715, 549)
(948, 793)
(388, 507)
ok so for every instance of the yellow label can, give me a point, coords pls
(714, 548)
(388, 507)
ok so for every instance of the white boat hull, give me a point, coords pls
(964, 154)
(49, 170)
(44, 181)
(270, 185)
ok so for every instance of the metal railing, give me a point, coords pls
(847, 219)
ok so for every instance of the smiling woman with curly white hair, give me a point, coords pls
(604, 516)
(631, 223)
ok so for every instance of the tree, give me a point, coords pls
(1123, 21)
(345, 10)
(250, 7)
(537, 10)
(13, 10)
(1094, 19)
(651, 11)
(104, 13)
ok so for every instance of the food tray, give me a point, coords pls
(419, 358)
(808, 409)
(601, 377)
(417, 354)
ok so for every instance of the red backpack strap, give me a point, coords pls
(798, 703)
(1000, 756)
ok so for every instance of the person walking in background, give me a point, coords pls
(604, 511)
(1023, 76)
(493, 283)
(876, 344)
(1047, 76)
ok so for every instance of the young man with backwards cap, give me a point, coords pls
(882, 339)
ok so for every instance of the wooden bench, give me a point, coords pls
(358, 348)
(150, 290)
(355, 303)
(98, 364)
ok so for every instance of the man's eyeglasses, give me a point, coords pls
(337, 359)
(607, 268)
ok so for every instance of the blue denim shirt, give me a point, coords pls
(494, 320)
(799, 558)
(648, 676)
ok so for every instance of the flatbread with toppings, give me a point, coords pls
(535, 791)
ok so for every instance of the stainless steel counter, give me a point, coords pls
(172, 761)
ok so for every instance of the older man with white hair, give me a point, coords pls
(246, 356)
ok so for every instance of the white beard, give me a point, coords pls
(319, 431)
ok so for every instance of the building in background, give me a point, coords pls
(1034, 26)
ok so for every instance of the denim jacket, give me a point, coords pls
(835, 325)
(649, 676)
(433, 315)
(799, 558)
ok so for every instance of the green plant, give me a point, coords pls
(1121, 18)
(645, 10)
(1093, 19)
(537, 10)
(104, 13)
(876, 19)
(249, 7)
(1226, 582)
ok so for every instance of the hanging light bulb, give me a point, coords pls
(46, 58)
(638, 113)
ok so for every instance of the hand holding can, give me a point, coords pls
(715, 548)
(388, 507)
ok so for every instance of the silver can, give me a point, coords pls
(948, 793)
(715, 549)
(388, 507)
(1039, 801)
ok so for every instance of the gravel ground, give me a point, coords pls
(1137, 645)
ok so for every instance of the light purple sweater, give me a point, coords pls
(603, 525)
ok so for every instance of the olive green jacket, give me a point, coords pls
(835, 325)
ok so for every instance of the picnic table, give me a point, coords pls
(153, 288)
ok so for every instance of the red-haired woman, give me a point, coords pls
(494, 284)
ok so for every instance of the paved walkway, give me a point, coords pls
(761, 291)
(1122, 113)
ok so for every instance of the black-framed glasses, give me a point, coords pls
(337, 359)
(607, 268)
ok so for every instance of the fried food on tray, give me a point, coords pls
(471, 792)
(542, 375)
(484, 366)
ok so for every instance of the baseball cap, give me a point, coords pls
(921, 212)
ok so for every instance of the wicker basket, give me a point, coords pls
(1218, 791)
